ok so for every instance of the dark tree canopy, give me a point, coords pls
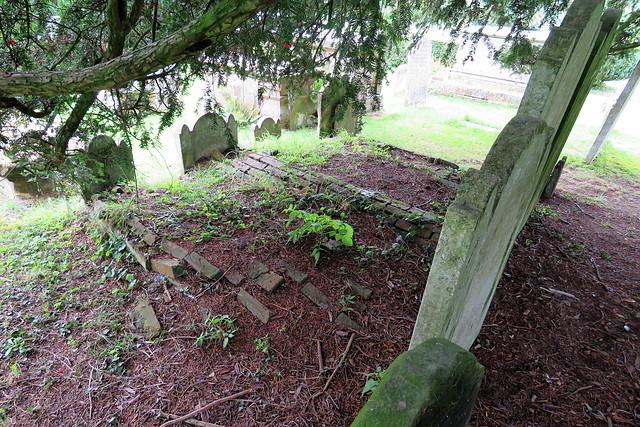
(56, 55)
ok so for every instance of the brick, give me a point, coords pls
(298, 276)
(254, 306)
(168, 267)
(272, 162)
(255, 164)
(402, 205)
(150, 238)
(256, 268)
(394, 210)
(270, 281)
(203, 266)
(315, 295)
(235, 277)
(344, 320)
(256, 156)
(142, 258)
(173, 249)
(359, 290)
(136, 227)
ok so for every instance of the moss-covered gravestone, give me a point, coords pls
(434, 384)
(109, 163)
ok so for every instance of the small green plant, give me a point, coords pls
(321, 225)
(345, 299)
(373, 379)
(604, 255)
(263, 344)
(541, 212)
(215, 328)
(16, 344)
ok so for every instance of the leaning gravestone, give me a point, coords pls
(212, 136)
(332, 103)
(418, 73)
(265, 126)
(110, 163)
(493, 203)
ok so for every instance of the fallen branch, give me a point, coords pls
(335, 369)
(190, 420)
(204, 408)
(555, 291)
(578, 206)
(597, 270)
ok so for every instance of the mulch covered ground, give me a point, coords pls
(559, 345)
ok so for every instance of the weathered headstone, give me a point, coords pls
(493, 203)
(109, 162)
(212, 135)
(265, 126)
(335, 112)
(418, 73)
(434, 384)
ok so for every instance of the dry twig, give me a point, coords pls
(205, 407)
(190, 420)
(335, 369)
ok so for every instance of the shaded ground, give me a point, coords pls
(551, 358)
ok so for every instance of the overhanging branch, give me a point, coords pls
(221, 20)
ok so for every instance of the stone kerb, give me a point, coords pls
(418, 73)
(212, 135)
(493, 204)
(265, 126)
(434, 384)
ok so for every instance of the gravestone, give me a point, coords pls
(300, 104)
(493, 203)
(110, 163)
(418, 73)
(265, 126)
(332, 102)
(212, 136)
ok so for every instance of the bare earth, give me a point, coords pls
(560, 343)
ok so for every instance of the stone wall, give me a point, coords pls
(493, 203)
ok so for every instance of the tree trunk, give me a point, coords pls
(83, 103)
(613, 115)
(223, 18)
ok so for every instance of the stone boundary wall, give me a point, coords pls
(401, 215)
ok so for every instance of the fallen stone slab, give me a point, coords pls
(270, 281)
(344, 320)
(203, 266)
(315, 295)
(256, 268)
(173, 249)
(361, 291)
(168, 267)
(254, 306)
(150, 238)
(145, 320)
(434, 384)
(235, 277)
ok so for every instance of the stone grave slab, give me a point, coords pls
(145, 320)
(344, 320)
(361, 291)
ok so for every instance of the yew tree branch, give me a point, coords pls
(221, 20)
